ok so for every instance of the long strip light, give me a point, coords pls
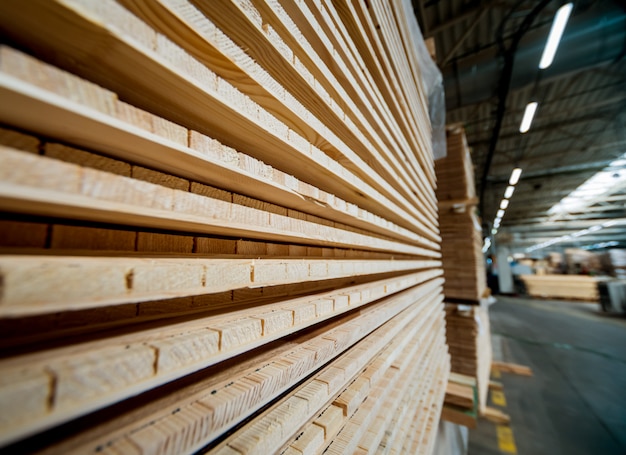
(515, 175)
(556, 32)
(527, 120)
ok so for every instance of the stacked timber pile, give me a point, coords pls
(461, 233)
(219, 229)
(469, 341)
(579, 261)
(460, 404)
(575, 287)
(467, 317)
(455, 172)
(614, 262)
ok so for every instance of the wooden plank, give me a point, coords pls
(514, 368)
(32, 186)
(15, 139)
(495, 415)
(459, 416)
(31, 284)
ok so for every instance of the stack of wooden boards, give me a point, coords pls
(461, 233)
(219, 229)
(455, 172)
(614, 262)
(469, 340)
(576, 287)
(460, 404)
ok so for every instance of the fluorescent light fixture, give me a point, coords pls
(500, 214)
(494, 231)
(504, 203)
(496, 223)
(509, 191)
(486, 245)
(556, 32)
(529, 113)
(515, 175)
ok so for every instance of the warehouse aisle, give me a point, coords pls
(575, 403)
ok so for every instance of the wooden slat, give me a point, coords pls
(30, 283)
(29, 186)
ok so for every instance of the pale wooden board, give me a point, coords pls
(30, 184)
(36, 284)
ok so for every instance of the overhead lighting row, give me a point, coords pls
(554, 38)
(504, 203)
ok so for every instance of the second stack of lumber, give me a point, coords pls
(461, 233)
(219, 229)
(467, 323)
(576, 287)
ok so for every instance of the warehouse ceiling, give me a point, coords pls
(489, 52)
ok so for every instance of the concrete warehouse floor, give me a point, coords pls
(575, 403)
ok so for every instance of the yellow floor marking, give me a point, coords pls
(497, 397)
(506, 443)
(495, 373)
